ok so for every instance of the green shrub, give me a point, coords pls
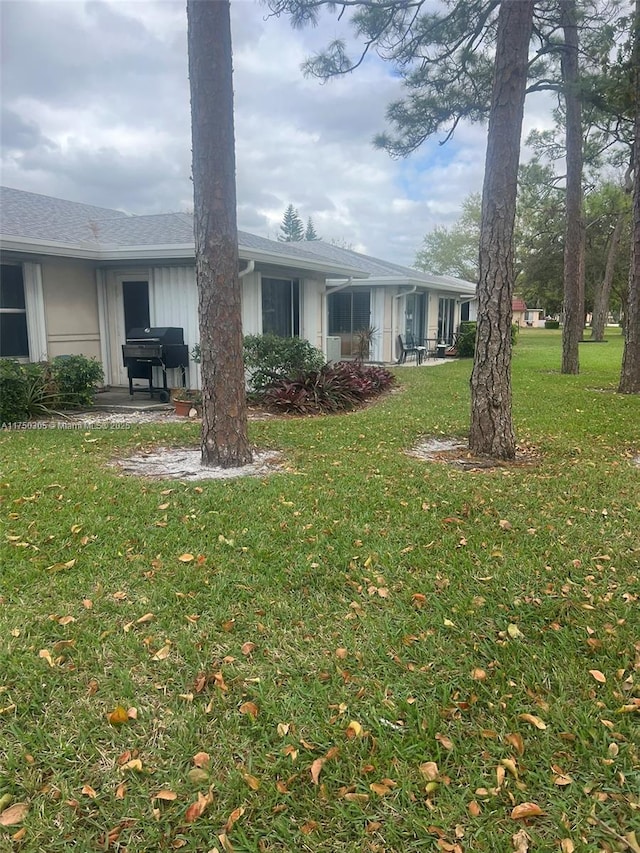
(75, 378)
(43, 388)
(466, 343)
(552, 324)
(268, 357)
(467, 338)
(13, 392)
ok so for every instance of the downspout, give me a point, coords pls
(249, 268)
(339, 287)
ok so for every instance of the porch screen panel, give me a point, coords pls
(446, 318)
(349, 312)
(339, 313)
(281, 307)
(415, 311)
(361, 310)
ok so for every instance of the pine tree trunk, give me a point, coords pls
(574, 243)
(603, 293)
(225, 440)
(630, 374)
(491, 430)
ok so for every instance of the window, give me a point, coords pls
(14, 341)
(135, 296)
(349, 312)
(446, 320)
(281, 307)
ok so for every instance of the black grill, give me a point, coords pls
(161, 346)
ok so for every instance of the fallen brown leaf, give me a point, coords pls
(201, 759)
(525, 810)
(520, 842)
(118, 716)
(516, 742)
(354, 730)
(535, 721)
(444, 741)
(196, 809)
(429, 770)
(166, 795)
(249, 708)
(352, 797)
(14, 814)
(233, 818)
(600, 677)
(252, 781)
(380, 789)
(316, 769)
(163, 653)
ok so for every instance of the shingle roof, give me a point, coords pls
(46, 219)
(41, 217)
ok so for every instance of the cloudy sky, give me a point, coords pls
(95, 108)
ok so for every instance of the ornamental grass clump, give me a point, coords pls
(332, 388)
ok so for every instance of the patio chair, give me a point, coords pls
(407, 346)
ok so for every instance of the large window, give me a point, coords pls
(446, 319)
(14, 341)
(281, 307)
(349, 313)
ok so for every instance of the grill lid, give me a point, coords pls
(164, 335)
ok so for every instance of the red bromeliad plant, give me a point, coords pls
(333, 388)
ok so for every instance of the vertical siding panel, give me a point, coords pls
(174, 302)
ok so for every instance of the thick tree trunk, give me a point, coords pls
(603, 293)
(574, 243)
(630, 374)
(492, 431)
(225, 440)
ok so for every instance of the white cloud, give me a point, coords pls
(97, 100)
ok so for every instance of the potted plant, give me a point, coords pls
(186, 401)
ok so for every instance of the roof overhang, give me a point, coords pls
(437, 283)
(181, 251)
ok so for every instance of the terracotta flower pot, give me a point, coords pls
(183, 407)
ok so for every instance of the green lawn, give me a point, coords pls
(392, 618)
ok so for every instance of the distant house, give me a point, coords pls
(75, 278)
(519, 308)
(534, 317)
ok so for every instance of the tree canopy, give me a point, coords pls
(453, 250)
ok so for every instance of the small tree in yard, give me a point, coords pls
(224, 416)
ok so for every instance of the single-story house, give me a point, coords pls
(75, 278)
